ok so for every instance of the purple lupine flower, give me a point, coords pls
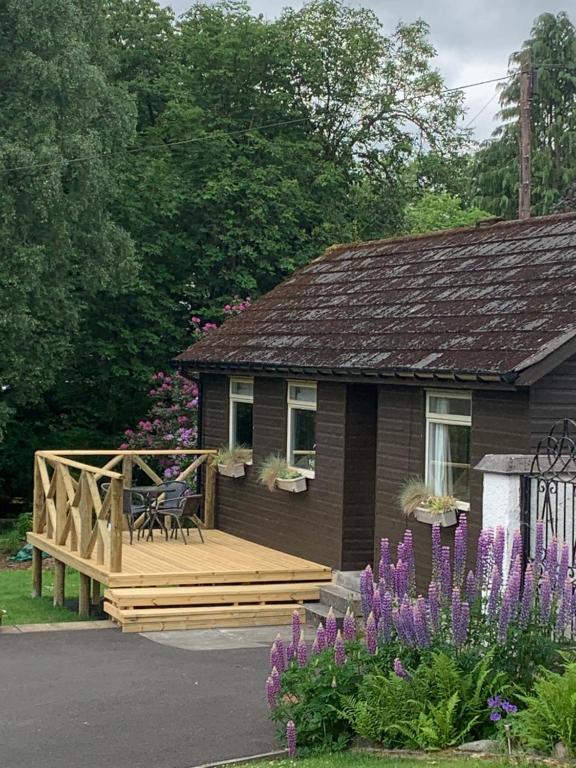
(392, 578)
(399, 670)
(456, 608)
(499, 546)
(445, 578)
(366, 590)
(408, 558)
(527, 596)
(407, 622)
(321, 637)
(494, 595)
(281, 647)
(371, 634)
(376, 606)
(384, 563)
(484, 559)
(516, 548)
(460, 550)
(302, 651)
(315, 650)
(515, 584)
(551, 562)
(436, 551)
(331, 628)
(400, 551)
(401, 579)
(563, 567)
(273, 688)
(434, 606)
(385, 622)
(349, 626)
(545, 598)
(339, 650)
(420, 623)
(539, 546)
(276, 658)
(290, 651)
(564, 616)
(296, 628)
(470, 587)
(291, 738)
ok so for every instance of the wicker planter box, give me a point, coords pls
(445, 519)
(294, 485)
(232, 470)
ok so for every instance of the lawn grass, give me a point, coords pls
(359, 760)
(21, 608)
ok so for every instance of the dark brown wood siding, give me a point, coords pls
(499, 425)
(360, 476)
(306, 524)
(551, 399)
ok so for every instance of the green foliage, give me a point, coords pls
(551, 52)
(434, 211)
(549, 712)
(440, 703)
(275, 467)
(13, 539)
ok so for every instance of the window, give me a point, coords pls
(241, 407)
(448, 422)
(302, 426)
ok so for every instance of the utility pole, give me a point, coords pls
(525, 140)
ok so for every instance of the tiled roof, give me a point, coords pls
(491, 299)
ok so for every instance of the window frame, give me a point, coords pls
(298, 405)
(234, 398)
(433, 417)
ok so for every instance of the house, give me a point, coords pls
(387, 359)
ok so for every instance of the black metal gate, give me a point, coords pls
(549, 491)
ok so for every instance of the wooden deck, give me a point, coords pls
(224, 582)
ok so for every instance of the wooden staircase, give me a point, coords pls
(206, 606)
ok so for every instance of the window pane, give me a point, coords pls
(455, 406)
(242, 424)
(449, 460)
(303, 431)
(244, 388)
(302, 394)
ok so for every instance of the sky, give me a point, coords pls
(473, 38)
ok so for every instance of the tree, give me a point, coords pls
(59, 242)
(550, 53)
(441, 210)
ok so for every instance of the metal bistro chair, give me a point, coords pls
(180, 507)
(133, 506)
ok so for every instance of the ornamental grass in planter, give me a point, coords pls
(275, 472)
(231, 462)
(434, 668)
(417, 500)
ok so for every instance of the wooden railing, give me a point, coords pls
(71, 510)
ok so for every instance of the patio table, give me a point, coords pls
(150, 493)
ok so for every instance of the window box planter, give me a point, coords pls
(232, 470)
(293, 485)
(445, 519)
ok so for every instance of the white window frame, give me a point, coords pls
(432, 417)
(299, 405)
(234, 398)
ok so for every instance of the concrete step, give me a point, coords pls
(347, 579)
(316, 613)
(341, 598)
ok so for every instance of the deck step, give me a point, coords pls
(341, 598)
(201, 617)
(316, 613)
(135, 597)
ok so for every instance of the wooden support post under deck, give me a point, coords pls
(84, 596)
(116, 520)
(95, 592)
(59, 581)
(210, 494)
(36, 572)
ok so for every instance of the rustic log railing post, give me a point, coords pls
(61, 501)
(85, 515)
(116, 519)
(37, 517)
(210, 494)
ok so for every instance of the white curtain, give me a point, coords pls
(440, 454)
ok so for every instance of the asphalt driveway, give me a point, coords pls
(100, 699)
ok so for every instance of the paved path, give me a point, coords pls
(107, 700)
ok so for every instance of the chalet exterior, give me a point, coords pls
(388, 359)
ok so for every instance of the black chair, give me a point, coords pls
(133, 506)
(176, 503)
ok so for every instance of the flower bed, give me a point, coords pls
(431, 670)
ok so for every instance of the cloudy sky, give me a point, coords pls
(473, 38)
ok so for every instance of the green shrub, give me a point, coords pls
(436, 705)
(549, 713)
(13, 539)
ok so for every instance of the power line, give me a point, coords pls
(480, 111)
(221, 134)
